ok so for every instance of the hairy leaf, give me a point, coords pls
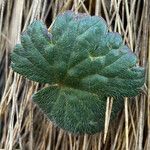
(84, 64)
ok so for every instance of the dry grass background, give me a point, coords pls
(23, 126)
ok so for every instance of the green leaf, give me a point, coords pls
(84, 64)
(74, 105)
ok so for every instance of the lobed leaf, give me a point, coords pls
(85, 62)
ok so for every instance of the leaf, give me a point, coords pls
(84, 64)
(79, 111)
